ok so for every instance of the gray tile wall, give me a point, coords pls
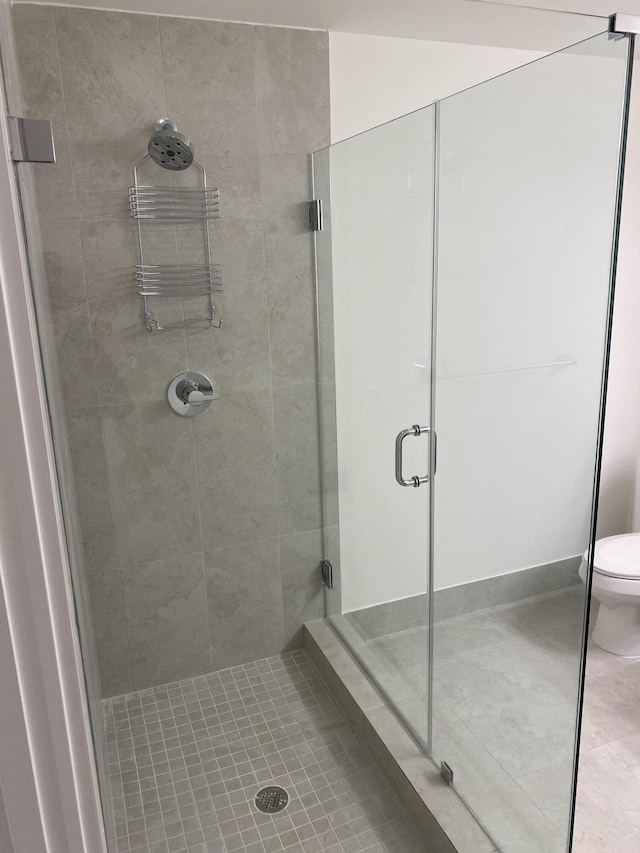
(200, 535)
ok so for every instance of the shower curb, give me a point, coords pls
(440, 816)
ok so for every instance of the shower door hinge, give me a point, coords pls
(446, 772)
(316, 222)
(31, 140)
(326, 573)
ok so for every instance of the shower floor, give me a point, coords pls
(186, 760)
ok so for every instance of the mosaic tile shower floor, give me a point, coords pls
(186, 760)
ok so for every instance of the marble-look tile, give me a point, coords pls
(166, 612)
(550, 789)
(329, 454)
(518, 700)
(503, 807)
(292, 76)
(622, 680)
(217, 82)
(220, 60)
(132, 364)
(289, 259)
(109, 250)
(599, 661)
(297, 458)
(111, 72)
(150, 458)
(244, 599)
(40, 77)
(286, 186)
(63, 262)
(107, 610)
(76, 356)
(607, 715)
(608, 801)
(84, 429)
(236, 357)
(236, 470)
(627, 845)
(302, 589)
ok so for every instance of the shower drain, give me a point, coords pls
(271, 799)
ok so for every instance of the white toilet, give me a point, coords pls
(616, 585)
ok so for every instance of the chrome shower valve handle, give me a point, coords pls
(191, 393)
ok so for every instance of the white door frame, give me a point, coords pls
(48, 780)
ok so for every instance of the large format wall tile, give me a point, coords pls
(286, 186)
(236, 357)
(76, 362)
(166, 612)
(63, 262)
(151, 486)
(302, 589)
(289, 259)
(244, 599)
(105, 594)
(297, 458)
(292, 73)
(236, 470)
(150, 457)
(112, 77)
(84, 428)
(216, 81)
(132, 364)
(39, 64)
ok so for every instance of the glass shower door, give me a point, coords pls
(374, 274)
(527, 204)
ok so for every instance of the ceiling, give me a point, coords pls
(471, 21)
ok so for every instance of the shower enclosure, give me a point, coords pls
(462, 305)
(465, 279)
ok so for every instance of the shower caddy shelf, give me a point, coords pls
(176, 204)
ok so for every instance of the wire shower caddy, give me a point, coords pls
(176, 204)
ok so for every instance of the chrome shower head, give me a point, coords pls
(169, 148)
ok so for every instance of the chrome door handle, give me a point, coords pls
(415, 431)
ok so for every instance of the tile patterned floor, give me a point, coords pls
(506, 686)
(186, 760)
(608, 801)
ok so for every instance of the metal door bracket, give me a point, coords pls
(316, 222)
(624, 25)
(446, 772)
(31, 140)
(326, 573)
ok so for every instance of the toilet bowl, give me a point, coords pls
(616, 585)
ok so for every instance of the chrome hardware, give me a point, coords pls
(191, 393)
(316, 219)
(326, 573)
(416, 431)
(184, 280)
(446, 772)
(621, 24)
(175, 204)
(31, 140)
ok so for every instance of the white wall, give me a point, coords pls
(375, 79)
(364, 93)
(620, 489)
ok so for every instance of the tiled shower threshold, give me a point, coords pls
(186, 760)
(439, 814)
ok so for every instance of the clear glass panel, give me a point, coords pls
(374, 260)
(15, 66)
(527, 194)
